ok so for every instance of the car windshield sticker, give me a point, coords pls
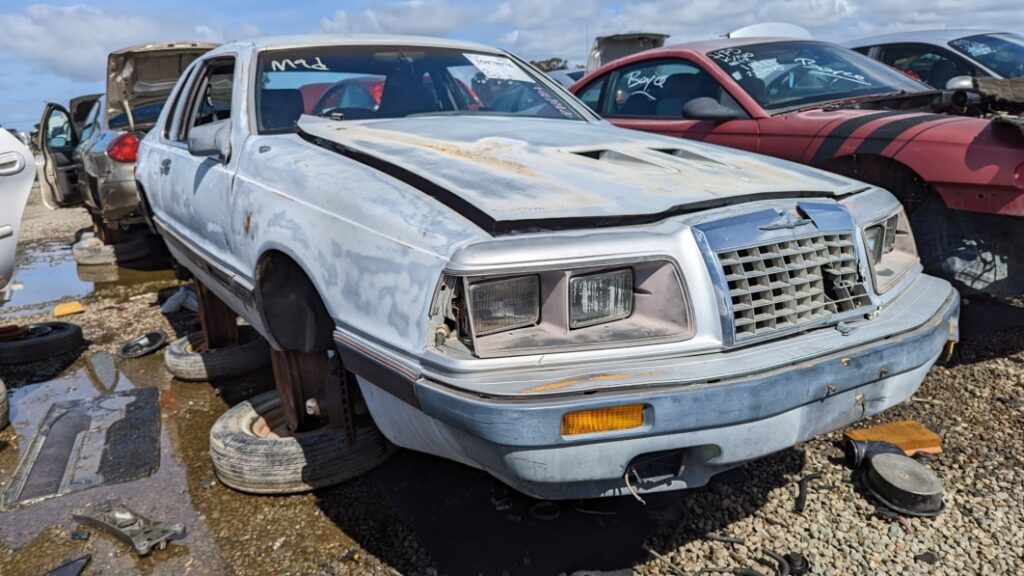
(972, 47)
(763, 68)
(498, 67)
(813, 67)
(297, 63)
(637, 83)
(732, 56)
(554, 103)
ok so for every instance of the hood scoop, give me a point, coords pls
(622, 159)
(691, 157)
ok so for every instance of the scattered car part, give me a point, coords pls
(781, 564)
(68, 309)
(910, 436)
(188, 358)
(857, 452)
(91, 251)
(4, 407)
(41, 341)
(141, 533)
(184, 297)
(928, 557)
(546, 511)
(801, 498)
(146, 344)
(798, 564)
(88, 443)
(904, 485)
(71, 567)
(252, 451)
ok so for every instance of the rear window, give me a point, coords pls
(145, 115)
(369, 82)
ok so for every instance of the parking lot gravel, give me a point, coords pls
(421, 515)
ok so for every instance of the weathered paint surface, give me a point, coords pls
(514, 168)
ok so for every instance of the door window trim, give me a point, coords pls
(198, 84)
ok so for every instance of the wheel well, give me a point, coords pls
(291, 306)
(890, 174)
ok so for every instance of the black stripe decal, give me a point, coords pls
(503, 227)
(835, 139)
(882, 136)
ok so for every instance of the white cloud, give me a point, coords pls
(73, 41)
(423, 17)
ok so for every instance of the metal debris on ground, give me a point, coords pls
(134, 529)
(904, 485)
(143, 345)
(71, 567)
(546, 510)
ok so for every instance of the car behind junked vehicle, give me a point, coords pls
(139, 79)
(511, 283)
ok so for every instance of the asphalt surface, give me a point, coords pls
(417, 514)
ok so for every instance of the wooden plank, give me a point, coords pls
(218, 322)
(299, 376)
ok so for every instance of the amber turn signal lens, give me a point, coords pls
(603, 419)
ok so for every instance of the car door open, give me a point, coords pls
(58, 174)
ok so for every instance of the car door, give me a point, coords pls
(15, 184)
(195, 190)
(58, 172)
(651, 95)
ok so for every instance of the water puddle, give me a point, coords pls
(46, 273)
(42, 531)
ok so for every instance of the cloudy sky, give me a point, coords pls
(57, 51)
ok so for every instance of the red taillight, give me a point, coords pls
(124, 148)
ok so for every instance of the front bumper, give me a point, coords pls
(702, 415)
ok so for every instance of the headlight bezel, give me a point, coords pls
(896, 256)
(661, 311)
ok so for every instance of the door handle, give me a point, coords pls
(165, 166)
(11, 163)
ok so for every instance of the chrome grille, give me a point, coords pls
(782, 286)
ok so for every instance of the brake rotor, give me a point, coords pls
(12, 332)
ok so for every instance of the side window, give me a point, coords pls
(58, 130)
(91, 123)
(172, 125)
(591, 95)
(210, 95)
(660, 89)
(923, 62)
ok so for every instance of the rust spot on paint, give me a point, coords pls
(248, 222)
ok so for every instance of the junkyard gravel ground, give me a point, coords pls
(421, 515)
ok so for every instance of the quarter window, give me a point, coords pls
(660, 89)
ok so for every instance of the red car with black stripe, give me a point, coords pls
(961, 178)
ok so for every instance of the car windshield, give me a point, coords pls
(368, 82)
(1001, 53)
(787, 75)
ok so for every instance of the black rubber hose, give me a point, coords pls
(727, 570)
(857, 452)
(801, 497)
(783, 568)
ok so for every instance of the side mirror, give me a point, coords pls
(960, 83)
(213, 139)
(705, 108)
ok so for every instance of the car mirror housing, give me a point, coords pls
(705, 108)
(213, 139)
(960, 83)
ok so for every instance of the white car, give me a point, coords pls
(515, 284)
(16, 175)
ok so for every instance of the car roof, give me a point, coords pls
(713, 44)
(938, 37)
(312, 40)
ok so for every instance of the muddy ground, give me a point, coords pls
(421, 515)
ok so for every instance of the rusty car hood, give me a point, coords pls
(512, 169)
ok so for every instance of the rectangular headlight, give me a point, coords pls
(891, 250)
(599, 298)
(504, 304)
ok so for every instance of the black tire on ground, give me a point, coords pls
(251, 354)
(4, 407)
(976, 252)
(91, 251)
(43, 341)
(262, 464)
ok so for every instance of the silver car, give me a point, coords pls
(937, 57)
(515, 284)
(94, 161)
